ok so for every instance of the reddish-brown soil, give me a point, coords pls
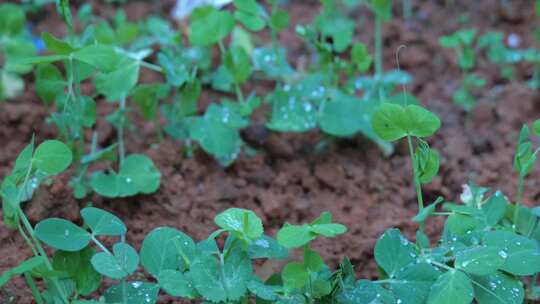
(285, 181)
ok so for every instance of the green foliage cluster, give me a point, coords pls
(467, 45)
(15, 43)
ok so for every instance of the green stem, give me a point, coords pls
(407, 9)
(100, 245)
(239, 94)
(519, 195)
(35, 291)
(417, 184)
(378, 45)
(27, 239)
(41, 252)
(120, 132)
(151, 66)
(221, 48)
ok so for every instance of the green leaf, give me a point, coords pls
(249, 14)
(360, 57)
(365, 291)
(495, 208)
(393, 252)
(137, 175)
(26, 266)
(427, 164)
(536, 127)
(142, 172)
(215, 136)
(342, 116)
(313, 260)
(267, 247)
(49, 82)
(291, 113)
(427, 211)
(522, 255)
(148, 96)
(61, 234)
(383, 9)
(412, 283)
(242, 223)
(120, 264)
(102, 57)
(56, 45)
(460, 224)
(292, 236)
(135, 293)
(392, 122)
(166, 248)
(221, 282)
(102, 222)
(77, 265)
(328, 230)
(176, 70)
(262, 291)
(271, 62)
(498, 288)
(118, 83)
(52, 157)
(295, 276)
(279, 20)
(479, 260)
(64, 11)
(238, 63)
(177, 284)
(209, 26)
(452, 287)
(12, 20)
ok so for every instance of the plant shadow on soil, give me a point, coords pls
(287, 182)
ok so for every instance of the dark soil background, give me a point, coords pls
(286, 181)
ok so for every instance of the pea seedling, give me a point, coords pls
(462, 42)
(116, 75)
(477, 256)
(178, 265)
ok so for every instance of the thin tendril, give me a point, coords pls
(403, 87)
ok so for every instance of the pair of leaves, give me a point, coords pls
(64, 235)
(123, 261)
(525, 158)
(137, 174)
(295, 236)
(392, 122)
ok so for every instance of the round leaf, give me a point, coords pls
(291, 236)
(61, 234)
(102, 222)
(52, 157)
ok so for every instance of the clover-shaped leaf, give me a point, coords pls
(122, 262)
